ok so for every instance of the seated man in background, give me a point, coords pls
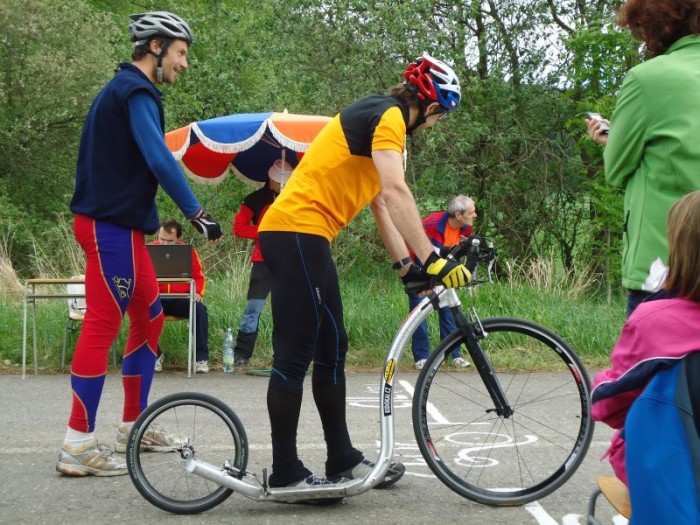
(170, 232)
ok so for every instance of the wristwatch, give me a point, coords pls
(400, 264)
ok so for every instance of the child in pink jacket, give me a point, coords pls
(650, 393)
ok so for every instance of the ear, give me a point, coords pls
(155, 46)
(431, 108)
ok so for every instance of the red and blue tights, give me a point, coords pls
(119, 279)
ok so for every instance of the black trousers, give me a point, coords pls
(181, 308)
(307, 311)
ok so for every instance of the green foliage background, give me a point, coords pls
(529, 69)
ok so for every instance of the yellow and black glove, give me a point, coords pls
(452, 274)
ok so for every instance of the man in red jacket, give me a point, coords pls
(245, 225)
(170, 232)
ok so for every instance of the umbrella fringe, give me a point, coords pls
(236, 147)
(285, 141)
(203, 180)
(183, 149)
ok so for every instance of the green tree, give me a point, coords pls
(54, 57)
(529, 69)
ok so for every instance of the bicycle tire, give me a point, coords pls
(202, 426)
(495, 460)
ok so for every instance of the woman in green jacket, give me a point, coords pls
(653, 146)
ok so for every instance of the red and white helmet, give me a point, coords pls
(436, 81)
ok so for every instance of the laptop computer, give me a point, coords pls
(171, 260)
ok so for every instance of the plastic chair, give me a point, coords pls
(76, 314)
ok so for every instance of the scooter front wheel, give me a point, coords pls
(174, 428)
(504, 458)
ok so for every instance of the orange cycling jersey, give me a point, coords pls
(337, 177)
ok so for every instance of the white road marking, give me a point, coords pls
(432, 411)
(541, 515)
(535, 508)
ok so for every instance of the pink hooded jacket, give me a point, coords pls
(656, 336)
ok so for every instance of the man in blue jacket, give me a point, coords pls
(122, 160)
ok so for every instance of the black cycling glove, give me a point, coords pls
(204, 223)
(414, 273)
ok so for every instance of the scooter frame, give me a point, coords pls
(248, 484)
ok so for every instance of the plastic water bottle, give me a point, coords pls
(228, 351)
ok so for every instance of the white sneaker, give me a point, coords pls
(420, 363)
(461, 362)
(202, 367)
(159, 363)
(155, 439)
(89, 459)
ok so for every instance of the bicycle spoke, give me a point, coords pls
(492, 458)
(209, 431)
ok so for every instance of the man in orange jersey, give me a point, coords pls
(357, 159)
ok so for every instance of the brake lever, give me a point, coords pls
(473, 255)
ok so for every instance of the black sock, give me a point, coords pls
(330, 402)
(284, 408)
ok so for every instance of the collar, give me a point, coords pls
(404, 109)
(442, 225)
(682, 42)
(126, 66)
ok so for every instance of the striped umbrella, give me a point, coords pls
(246, 143)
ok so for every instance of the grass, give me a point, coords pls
(375, 306)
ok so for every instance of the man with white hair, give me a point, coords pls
(444, 229)
(245, 225)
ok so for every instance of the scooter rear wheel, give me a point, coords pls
(178, 426)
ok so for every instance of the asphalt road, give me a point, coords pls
(35, 411)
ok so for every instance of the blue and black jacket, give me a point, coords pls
(123, 156)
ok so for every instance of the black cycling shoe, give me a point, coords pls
(241, 362)
(359, 471)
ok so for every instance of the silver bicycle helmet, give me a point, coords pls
(160, 23)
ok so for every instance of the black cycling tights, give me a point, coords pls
(307, 315)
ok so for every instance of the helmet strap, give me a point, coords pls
(421, 119)
(159, 58)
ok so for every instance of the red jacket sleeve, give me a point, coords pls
(198, 274)
(243, 224)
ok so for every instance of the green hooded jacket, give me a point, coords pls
(653, 151)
